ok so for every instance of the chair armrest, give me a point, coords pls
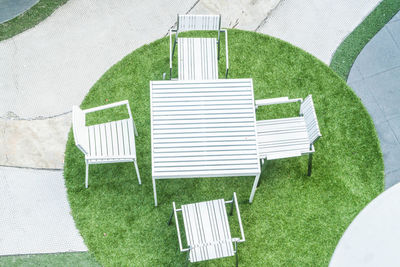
(171, 50)
(177, 229)
(239, 219)
(226, 52)
(277, 100)
(112, 105)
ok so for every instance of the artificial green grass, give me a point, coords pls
(295, 220)
(29, 18)
(350, 48)
(59, 259)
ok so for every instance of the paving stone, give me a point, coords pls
(354, 75)
(394, 123)
(386, 134)
(368, 101)
(241, 14)
(394, 29)
(391, 157)
(396, 17)
(385, 89)
(9, 9)
(34, 143)
(380, 54)
(392, 178)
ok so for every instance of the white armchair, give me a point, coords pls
(108, 142)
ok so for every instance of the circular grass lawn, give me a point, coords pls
(294, 219)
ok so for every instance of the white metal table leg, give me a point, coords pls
(253, 191)
(155, 192)
(87, 175)
(137, 171)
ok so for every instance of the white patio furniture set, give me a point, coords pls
(202, 126)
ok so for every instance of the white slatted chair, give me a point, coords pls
(109, 142)
(198, 57)
(208, 235)
(288, 137)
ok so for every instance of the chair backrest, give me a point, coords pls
(308, 111)
(80, 130)
(199, 23)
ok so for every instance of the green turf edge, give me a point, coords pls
(57, 259)
(99, 95)
(350, 48)
(29, 18)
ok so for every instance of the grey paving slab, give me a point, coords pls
(368, 100)
(392, 178)
(386, 135)
(394, 30)
(9, 9)
(35, 214)
(385, 87)
(379, 90)
(373, 238)
(395, 17)
(379, 55)
(354, 75)
(395, 125)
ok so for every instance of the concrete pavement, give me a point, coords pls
(373, 238)
(317, 26)
(35, 214)
(375, 77)
(9, 9)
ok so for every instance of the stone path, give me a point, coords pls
(375, 77)
(9, 9)
(317, 26)
(373, 238)
(35, 214)
(47, 69)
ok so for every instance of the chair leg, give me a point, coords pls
(87, 175)
(137, 172)
(236, 254)
(309, 164)
(187, 259)
(170, 217)
(231, 212)
(263, 163)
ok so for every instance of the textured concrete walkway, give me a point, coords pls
(9, 9)
(35, 214)
(375, 77)
(373, 238)
(317, 26)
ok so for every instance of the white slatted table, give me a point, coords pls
(203, 128)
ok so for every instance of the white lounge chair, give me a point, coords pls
(288, 137)
(198, 57)
(108, 142)
(208, 235)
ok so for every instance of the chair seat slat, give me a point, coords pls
(207, 230)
